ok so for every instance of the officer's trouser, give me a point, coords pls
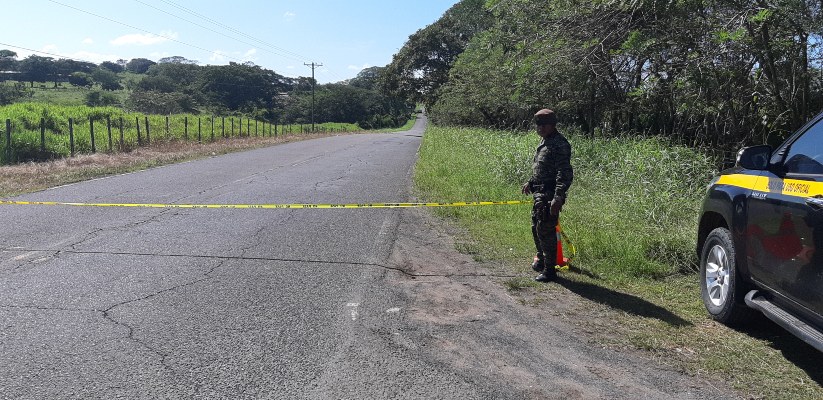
(544, 230)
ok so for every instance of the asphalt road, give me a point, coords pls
(146, 303)
(214, 303)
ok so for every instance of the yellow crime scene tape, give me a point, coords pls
(269, 206)
(563, 236)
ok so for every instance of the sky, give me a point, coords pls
(345, 36)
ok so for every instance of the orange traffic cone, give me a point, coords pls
(561, 261)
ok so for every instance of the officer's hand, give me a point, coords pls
(526, 188)
(555, 207)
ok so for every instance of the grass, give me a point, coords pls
(26, 120)
(632, 213)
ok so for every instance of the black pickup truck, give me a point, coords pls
(760, 236)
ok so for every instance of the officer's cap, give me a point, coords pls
(545, 117)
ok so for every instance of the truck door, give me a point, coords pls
(784, 235)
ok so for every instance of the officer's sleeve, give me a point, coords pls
(565, 174)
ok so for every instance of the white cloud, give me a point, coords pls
(218, 56)
(356, 68)
(88, 40)
(158, 55)
(96, 58)
(289, 16)
(249, 55)
(143, 39)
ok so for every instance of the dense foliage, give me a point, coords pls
(705, 72)
(177, 85)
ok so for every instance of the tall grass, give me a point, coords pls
(631, 211)
(26, 122)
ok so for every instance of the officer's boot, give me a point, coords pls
(549, 274)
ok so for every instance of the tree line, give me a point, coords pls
(176, 85)
(702, 72)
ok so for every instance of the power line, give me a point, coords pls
(45, 52)
(280, 50)
(284, 53)
(141, 30)
(231, 29)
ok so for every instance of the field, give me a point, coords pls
(631, 214)
(40, 131)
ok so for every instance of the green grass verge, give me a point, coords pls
(632, 213)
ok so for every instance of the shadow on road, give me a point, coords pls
(622, 301)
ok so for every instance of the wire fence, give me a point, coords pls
(52, 139)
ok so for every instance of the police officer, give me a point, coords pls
(551, 177)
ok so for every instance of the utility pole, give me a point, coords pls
(313, 66)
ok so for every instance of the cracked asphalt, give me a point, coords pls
(148, 303)
(212, 303)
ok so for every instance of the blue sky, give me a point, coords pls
(281, 35)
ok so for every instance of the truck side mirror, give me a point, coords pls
(754, 157)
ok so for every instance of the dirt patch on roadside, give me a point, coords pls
(532, 344)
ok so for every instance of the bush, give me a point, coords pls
(99, 99)
(11, 93)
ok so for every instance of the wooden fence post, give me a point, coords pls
(122, 137)
(108, 129)
(8, 140)
(199, 135)
(186, 128)
(139, 139)
(223, 127)
(71, 136)
(212, 128)
(167, 127)
(232, 126)
(42, 136)
(148, 134)
(91, 133)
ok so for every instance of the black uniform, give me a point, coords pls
(551, 177)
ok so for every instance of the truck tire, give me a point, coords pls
(721, 286)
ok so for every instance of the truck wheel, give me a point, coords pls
(721, 288)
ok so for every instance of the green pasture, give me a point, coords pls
(28, 119)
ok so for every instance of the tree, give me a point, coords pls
(422, 65)
(240, 87)
(182, 74)
(97, 98)
(113, 67)
(368, 78)
(8, 63)
(64, 67)
(177, 60)
(36, 69)
(139, 65)
(81, 79)
(162, 84)
(713, 72)
(107, 79)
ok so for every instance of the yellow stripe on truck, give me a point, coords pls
(788, 187)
